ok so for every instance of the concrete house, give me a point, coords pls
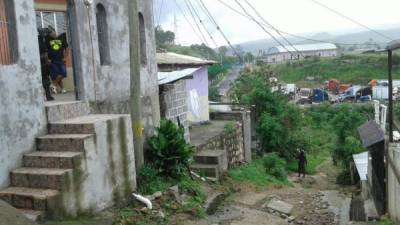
(279, 54)
(196, 88)
(75, 154)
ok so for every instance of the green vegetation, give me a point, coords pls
(254, 174)
(168, 151)
(275, 166)
(356, 69)
(283, 128)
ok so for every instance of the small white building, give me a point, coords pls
(280, 54)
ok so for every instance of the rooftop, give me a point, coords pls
(170, 58)
(371, 134)
(302, 48)
(168, 77)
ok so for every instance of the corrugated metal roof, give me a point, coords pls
(371, 133)
(302, 48)
(168, 77)
(170, 58)
(361, 161)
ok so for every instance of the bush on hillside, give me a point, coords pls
(275, 166)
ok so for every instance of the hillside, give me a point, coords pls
(355, 69)
(350, 37)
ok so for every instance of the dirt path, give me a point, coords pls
(316, 200)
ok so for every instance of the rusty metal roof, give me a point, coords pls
(371, 133)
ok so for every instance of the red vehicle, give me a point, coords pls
(333, 85)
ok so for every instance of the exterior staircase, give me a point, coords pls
(210, 163)
(37, 188)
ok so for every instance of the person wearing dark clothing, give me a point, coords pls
(302, 163)
(44, 63)
(57, 47)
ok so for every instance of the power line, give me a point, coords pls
(219, 29)
(190, 24)
(191, 7)
(197, 25)
(276, 30)
(352, 20)
(262, 27)
(285, 32)
(159, 12)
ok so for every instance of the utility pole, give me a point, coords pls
(390, 76)
(135, 90)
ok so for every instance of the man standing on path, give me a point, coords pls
(302, 163)
(57, 50)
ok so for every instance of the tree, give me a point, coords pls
(223, 50)
(164, 38)
(249, 57)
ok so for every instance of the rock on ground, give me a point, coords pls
(10, 216)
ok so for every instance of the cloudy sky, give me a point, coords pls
(293, 16)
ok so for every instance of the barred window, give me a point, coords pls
(102, 32)
(8, 33)
(58, 20)
(142, 31)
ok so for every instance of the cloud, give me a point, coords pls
(294, 16)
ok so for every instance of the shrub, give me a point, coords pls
(275, 166)
(344, 178)
(168, 151)
(149, 181)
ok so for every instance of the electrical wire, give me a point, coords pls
(276, 30)
(159, 13)
(192, 8)
(262, 27)
(285, 32)
(351, 19)
(219, 29)
(201, 38)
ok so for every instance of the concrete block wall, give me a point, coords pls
(244, 117)
(173, 104)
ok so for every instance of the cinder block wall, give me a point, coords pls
(173, 103)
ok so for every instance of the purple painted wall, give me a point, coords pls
(199, 82)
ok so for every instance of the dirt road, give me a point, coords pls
(316, 200)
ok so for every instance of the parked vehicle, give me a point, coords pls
(367, 91)
(350, 94)
(333, 85)
(320, 96)
(343, 88)
(305, 96)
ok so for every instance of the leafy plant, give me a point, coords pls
(168, 151)
(275, 166)
(149, 181)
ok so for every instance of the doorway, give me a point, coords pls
(56, 16)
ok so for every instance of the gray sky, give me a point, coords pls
(293, 16)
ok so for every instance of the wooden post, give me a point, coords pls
(135, 99)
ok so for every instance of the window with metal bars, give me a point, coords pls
(8, 33)
(102, 33)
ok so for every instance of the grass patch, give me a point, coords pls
(255, 174)
(314, 161)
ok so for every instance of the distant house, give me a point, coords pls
(279, 54)
(196, 88)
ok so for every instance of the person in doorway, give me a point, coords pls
(44, 63)
(57, 52)
(302, 163)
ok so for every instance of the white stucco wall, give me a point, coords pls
(22, 115)
(394, 184)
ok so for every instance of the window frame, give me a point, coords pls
(102, 35)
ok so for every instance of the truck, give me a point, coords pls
(350, 94)
(320, 96)
(304, 96)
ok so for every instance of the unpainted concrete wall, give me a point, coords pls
(22, 115)
(107, 173)
(107, 87)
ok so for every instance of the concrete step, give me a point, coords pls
(39, 178)
(34, 215)
(28, 198)
(207, 170)
(80, 125)
(212, 157)
(63, 142)
(59, 160)
(57, 111)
